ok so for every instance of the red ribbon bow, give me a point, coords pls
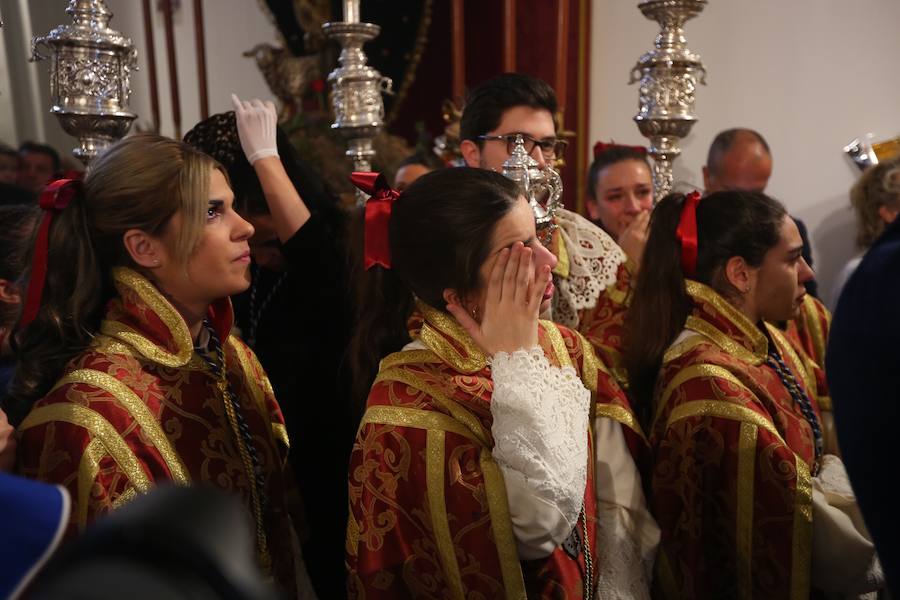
(601, 147)
(55, 197)
(687, 234)
(378, 217)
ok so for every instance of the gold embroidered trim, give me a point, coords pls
(558, 343)
(134, 405)
(695, 372)
(88, 468)
(437, 507)
(722, 410)
(148, 294)
(801, 556)
(824, 403)
(470, 421)
(706, 294)
(249, 373)
(417, 418)
(281, 434)
(98, 427)
(678, 350)
(501, 524)
(814, 326)
(723, 341)
(744, 521)
(406, 357)
(620, 414)
(351, 543)
(437, 323)
(124, 498)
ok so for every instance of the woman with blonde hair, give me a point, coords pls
(875, 198)
(128, 375)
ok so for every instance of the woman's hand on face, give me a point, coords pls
(634, 238)
(256, 125)
(512, 303)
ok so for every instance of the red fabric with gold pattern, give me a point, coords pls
(428, 513)
(733, 455)
(604, 325)
(140, 407)
(810, 329)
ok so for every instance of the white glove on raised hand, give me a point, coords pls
(256, 123)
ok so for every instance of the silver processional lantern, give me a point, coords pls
(356, 88)
(90, 73)
(668, 76)
(541, 186)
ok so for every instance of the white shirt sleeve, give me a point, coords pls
(540, 431)
(627, 535)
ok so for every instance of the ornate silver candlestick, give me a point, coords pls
(668, 76)
(356, 90)
(90, 72)
(541, 186)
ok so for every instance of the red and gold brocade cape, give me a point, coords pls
(604, 324)
(810, 329)
(428, 509)
(140, 407)
(733, 455)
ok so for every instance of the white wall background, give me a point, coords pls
(810, 75)
(231, 27)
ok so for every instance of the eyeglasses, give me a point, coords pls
(551, 148)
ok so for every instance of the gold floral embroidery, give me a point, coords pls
(695, 372)
(88, 468)
(413, 417)
(744, 513)
(125, 497)
(723, 341)
(438, 323)
(99, 427)
(437, 507)
(801, 557)
(164, 310)
(501, 525)
(706, 294)
(723, 410)
(139, 411)
(407, 357)
(459, 413)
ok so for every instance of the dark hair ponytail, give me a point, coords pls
(729, 224)
(441, 231)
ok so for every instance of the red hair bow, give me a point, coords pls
(687, 234)
(378, 217)
(600, 148)
(55, 197)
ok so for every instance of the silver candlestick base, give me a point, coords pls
(356, 90)
(90, 72)
(668, 76)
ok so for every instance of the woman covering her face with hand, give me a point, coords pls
(127, 374)
(485, 458)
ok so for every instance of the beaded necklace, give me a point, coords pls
(214, 357)
(800, 398)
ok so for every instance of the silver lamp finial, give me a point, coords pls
(668, 76)
(90, 73)
(541, 186)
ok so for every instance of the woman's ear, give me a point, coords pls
(144, 249)
(738, 274)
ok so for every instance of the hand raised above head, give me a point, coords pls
(509, 319)
(256, 124)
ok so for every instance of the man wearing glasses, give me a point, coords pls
(593, 275)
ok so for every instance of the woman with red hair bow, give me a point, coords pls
(749, 502)
(128, 375)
